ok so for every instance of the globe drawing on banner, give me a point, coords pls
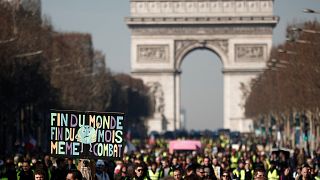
(87, 134)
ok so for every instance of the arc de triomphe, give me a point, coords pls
(163, 32)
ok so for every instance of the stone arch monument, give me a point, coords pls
(163, 32)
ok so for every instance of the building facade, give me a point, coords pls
(163, 32)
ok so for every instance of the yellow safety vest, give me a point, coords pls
(19, 172)
(254, 158)
(154, 176)
(273, 175)
(241, 174)
(268, 164)
(234, 162)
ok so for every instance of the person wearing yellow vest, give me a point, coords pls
(234, 160)
(223, 142)
(139, 173)
(164, 168)
(26, 173)
(216, 167)
(174, 165)
(273, 172)
(239, 173)
(154, 172)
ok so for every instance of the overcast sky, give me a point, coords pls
(202, 83)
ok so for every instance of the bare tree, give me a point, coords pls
(291, 85)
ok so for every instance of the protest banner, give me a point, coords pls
(86, 134)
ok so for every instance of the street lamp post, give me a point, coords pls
(299, 41)
(287, 51)
(295, 29)
(307, 10)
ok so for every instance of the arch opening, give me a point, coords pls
(201, 89)
(219, 48)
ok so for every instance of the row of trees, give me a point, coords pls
(287, 93)
(42, 69)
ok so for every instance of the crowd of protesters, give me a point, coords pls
(152, 161)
